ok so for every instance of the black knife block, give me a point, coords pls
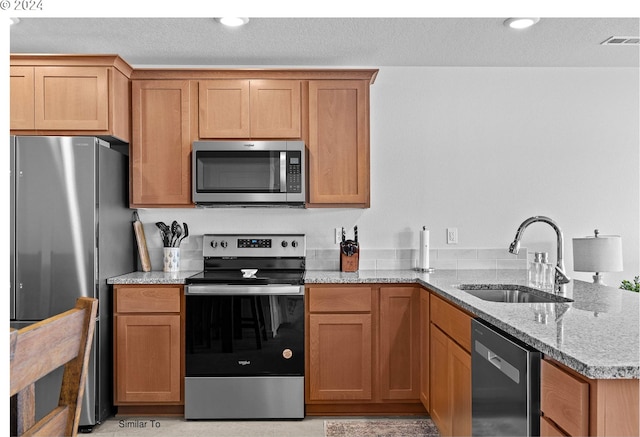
(350, 263)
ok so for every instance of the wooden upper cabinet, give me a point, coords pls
(338, 143)
(224, 108)
(71, 98)
(275, 109)
(70, 95)
(161, 145)
(249, 109)
(22, 98)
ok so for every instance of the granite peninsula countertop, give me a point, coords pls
(598, 334)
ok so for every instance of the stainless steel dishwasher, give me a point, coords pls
(505, 384)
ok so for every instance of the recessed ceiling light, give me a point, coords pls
(520, 23)
(233, 21)
(14, 20)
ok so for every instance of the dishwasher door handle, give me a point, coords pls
(494, 359)
(497, 361)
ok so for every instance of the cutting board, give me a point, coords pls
(142, 244)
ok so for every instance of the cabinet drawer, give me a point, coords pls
(147, 299)
(339, 299)
(453, 321)
(564, 399)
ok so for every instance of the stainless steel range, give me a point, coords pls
(245, 329)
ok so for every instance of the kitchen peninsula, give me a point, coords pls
(598, 337)
(593, 340)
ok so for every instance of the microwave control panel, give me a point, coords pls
(294, 172)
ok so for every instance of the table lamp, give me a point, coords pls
(600, 253)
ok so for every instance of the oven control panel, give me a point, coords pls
(255, 242)
(236, 245)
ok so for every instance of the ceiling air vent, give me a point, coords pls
(621, 41)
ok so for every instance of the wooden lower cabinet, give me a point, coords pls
(424, 348)
(439, 363)
(148, 349)
(399, 343)
(450, 369)
(573, 405)
(460, 386)
(340, 357)
(362, 347)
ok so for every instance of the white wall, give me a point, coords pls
(482, 149)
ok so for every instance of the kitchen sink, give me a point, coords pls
(511, 293)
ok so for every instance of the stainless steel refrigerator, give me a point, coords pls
(70, 231)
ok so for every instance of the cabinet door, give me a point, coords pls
(340, 357)
(147, 360)
(161, 145)
(338, 142)
(452, 321)
(72, 98)
(564, 399)
(275, 108)
(424, 348)
(224, 108)
(440, 397)
(549, 429)
(460, 389)
(22, 98)
(399, 343)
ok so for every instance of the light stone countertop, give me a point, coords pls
(155, 277)
(598, 334)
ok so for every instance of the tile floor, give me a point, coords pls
(177, 427)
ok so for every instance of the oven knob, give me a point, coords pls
(214, 244)
(294, 243)
(284, 244)
(223, 244)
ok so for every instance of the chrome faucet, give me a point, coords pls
(560, 276)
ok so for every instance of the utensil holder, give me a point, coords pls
(171, 259)
(350, 263)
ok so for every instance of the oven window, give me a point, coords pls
(250, 335)
(238, 172)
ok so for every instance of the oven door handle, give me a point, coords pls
(233, 289)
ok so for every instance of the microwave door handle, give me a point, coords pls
(283, 172)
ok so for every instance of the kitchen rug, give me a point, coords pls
(380, 428)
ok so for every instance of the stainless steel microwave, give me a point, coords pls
(248, 173)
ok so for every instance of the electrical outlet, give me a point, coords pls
(452, 235)
(338, 235)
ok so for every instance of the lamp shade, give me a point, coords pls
(600, 253)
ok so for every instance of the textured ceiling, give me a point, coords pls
(337, 42)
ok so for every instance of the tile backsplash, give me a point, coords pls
(370, 259)
(400, 259)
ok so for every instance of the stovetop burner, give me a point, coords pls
(237, 277)
(252, 259)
